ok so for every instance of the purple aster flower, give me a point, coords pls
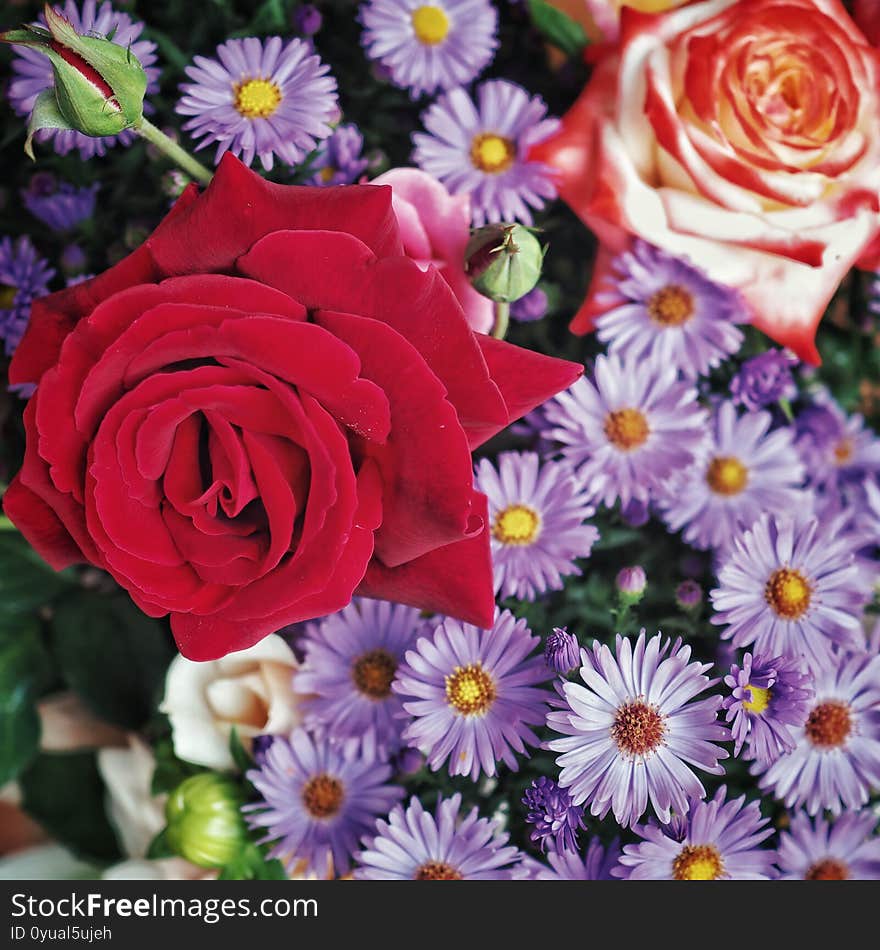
(689, 594)
(263, 98)
(835, 447)
(836, 759)
(764, 380)
(595, 865)
(24, 276)
(628, 429)
(562, 652)
(429, 46)
(414, 845)
(789, 586)
(339, 160)
(61, 206)
(473, 695)
(665, 307)
(716, 841)
(555, 817)
(743, 470)
(848, 850)
(483, 151)
(634, 728)
(318, 799)
(351, 659)
(537, 513)
(770, 698)
(33, 72)
(531, 307)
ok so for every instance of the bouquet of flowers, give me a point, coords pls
(437, 439)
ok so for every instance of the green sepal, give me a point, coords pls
(45, 115)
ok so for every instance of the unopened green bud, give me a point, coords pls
(504, 261)
(204, 820)
(99, 85)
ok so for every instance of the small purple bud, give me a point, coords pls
(409, 761)
(764, 380)
(73, 259)
(259, 747)
(531, 307)
(688, 595)
(635, 512)
(631, 581)
(562, 653)
(555, 817)
(307, 19)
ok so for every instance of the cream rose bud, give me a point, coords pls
(250, 690)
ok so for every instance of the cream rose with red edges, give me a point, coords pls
(742, 134)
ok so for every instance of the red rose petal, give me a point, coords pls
(41, 527)
(455, 580)
(425, 464)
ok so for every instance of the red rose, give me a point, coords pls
(264, 410)
(743, 135)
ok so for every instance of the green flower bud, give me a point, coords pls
(504, 261)
(99, 85)
(204, 820)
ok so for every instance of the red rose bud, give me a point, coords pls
(503, 261)
(99, 85)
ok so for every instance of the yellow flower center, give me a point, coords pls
(430, 24)
(470, 690)
(671, 306)
(829, 724)
(627, 429)
(257, 98)
(326, 174)
(700, 862)
(7, 296)
(727, 475)
(760, 699)
(829, 869)
(638, 728)
(516, 524)
(492, 153)
(437, 871)
(322, 796)
(789, 593)
(373, 673)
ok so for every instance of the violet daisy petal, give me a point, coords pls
(836, 760)
(351, 660)
(318, 799)
(716, 841)
(635, 727)
(24, 276)
(628, 428)
(817, 850)
(667, 308)
(537, 512)
(790, 586)
(473, 695)
(742, 471)
(595, 864)
(482, 150)
(424, 47)
(263, 98)
(415, 845)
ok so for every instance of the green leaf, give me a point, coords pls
(24, 666)
(26, 580)
(558, 28)
(65, 794)
(253, 865)
(240, 757)
(111, 654)
(170, 771)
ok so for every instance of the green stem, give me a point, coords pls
(502, 319)
(146, 130)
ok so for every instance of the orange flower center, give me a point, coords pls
(470, 690)
(829, 724)
(492, 153)
(322, 796)
(437, 871)
(829, 869)
(726, 475)
(373, 673)
(638, 728)
(700, 862)
(788, 593)
(627, 429)
(671, 306)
